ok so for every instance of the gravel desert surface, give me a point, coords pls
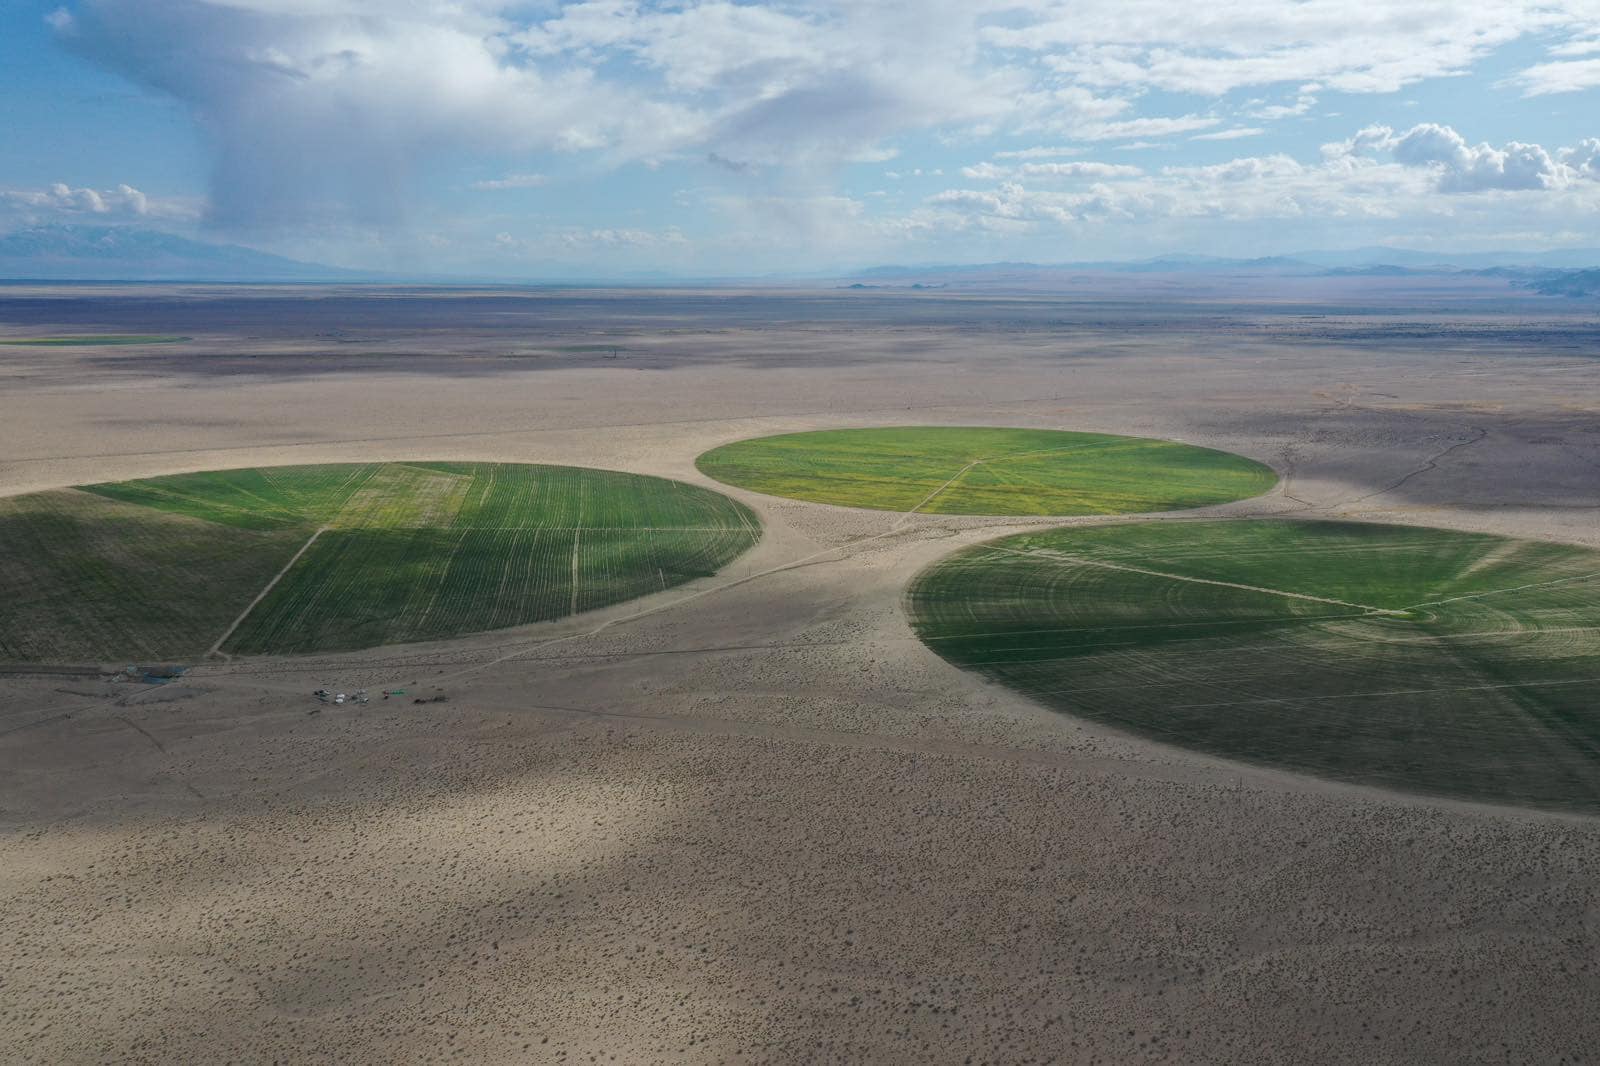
(752, 818)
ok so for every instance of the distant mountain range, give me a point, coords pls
(1557, 259)
(1370, 261)
(1567, 283)
(123, 253)
(1564, 272)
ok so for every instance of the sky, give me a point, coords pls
(606, 137)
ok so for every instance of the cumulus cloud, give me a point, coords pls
(1460, 167)
(1010, 206)
(1583, 159)
(63, 203)
(1379, 173)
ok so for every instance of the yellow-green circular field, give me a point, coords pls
(986, 471)
(1426, 659)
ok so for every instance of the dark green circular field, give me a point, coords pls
(320, 558)
(986, 471)
(1423, 659)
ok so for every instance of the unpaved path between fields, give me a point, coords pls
(216, 649)
(896, 528)
(646, 612)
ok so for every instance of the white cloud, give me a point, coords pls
(1545, 79)
(985, 172)
(1427, 171)
(1374, 46)
(1009, 206)
(1234, 134)
(1039, 153)
(580, 239)
(1080, 171)
(1584, 158)
(324, 111)
(774, 84)
(620, 238)
(1460, 167)
(1097, 171)
(512, 181)
(63, 203)
(1303, 103)
(1580, 47)
(1129, 129)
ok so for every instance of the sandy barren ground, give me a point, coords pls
(753, 819)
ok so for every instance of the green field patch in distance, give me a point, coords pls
(986, 471)
(92, 339)
(1429, 660)
(163, 568)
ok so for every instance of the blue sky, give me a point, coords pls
(542, 139)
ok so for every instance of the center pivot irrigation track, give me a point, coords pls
(920, 505)
(216, 648)
(1075, 560)
(341, 556)
(1470, 668)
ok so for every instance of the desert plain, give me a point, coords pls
(753, 818)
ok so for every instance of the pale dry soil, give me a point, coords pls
(753, 819)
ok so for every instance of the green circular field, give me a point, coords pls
(986, 471)
(1423, 659)
(90, 340)
(319, 558)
